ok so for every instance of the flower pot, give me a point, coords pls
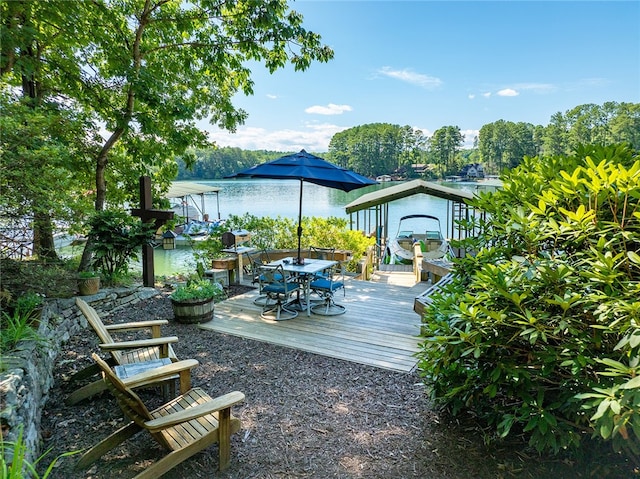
(88, 286)
(193, 311)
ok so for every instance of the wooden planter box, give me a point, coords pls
(193, 311)
(224, 263)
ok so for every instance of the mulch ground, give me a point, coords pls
(305, 416)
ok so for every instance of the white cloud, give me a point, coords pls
(536, 87)
(508, 92)
(425, 131)
(469, 136)
(408, 76)
(515, 90)
(472, 96)
(330, 109)
(594, 82)
(315, 137)
(271, 96)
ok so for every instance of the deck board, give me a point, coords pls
(379, 328)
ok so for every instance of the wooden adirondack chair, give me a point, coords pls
(185, 426)
(145, 352)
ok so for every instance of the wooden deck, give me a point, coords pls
(379, 328)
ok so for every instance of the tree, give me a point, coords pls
(601, 124)
(148, 70)
(444, 145)
(376, 148)
(44, 168)
(413, 150)
(503, 144)
(46, 138)
(161, 65)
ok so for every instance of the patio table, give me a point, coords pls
(305, 273)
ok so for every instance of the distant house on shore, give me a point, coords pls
(472, 171)
(383, 178)
(419, 168)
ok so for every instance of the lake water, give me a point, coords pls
(281, 198)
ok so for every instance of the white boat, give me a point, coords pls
(416, 229)
(195, 230)
(194, 222)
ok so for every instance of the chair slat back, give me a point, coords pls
(98, 326)
(264, 256)
(129, 402)
(276, 277)
(256, 263)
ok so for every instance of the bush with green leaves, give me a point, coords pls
(116, 239)
(18, 323)
(539, 334)
(199, 289)
(281, 233)
(28, 303)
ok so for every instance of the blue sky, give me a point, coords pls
(429, 64)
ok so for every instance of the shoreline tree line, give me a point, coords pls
(382, 148)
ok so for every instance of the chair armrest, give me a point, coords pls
(132, 326)
(140, 343)
(221, 402)
(161, 373)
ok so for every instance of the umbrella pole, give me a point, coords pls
(300, 222)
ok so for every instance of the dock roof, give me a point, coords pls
(179, 189)
(403, 190)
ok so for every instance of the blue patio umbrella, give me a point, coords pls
(306, 167)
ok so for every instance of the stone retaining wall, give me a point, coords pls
(26, 375)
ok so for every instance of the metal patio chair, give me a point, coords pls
(325, 286)
(279, 287)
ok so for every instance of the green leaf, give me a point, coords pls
(605, 429)
(615, 407)
(633, 257)
(614, 364)
(631, 384)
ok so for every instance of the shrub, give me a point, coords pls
(116, 239)
(540, 332)
(28, 303)
(281, 233)
(210, 248)
(17, 327)
(199, 289)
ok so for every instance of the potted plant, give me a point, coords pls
(194, 301)
(88, 283)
